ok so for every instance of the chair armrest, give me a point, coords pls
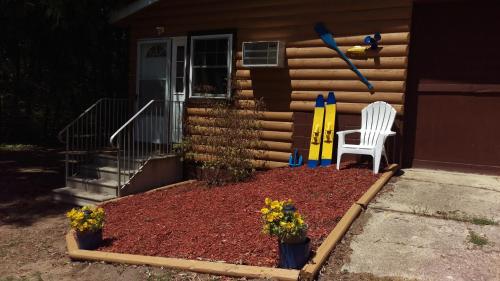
(387, 134)
(384, 135)
(348, 132)
(342, 134)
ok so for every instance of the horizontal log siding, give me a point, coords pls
(310, 67)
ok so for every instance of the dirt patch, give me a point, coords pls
(223, 223)
(32, 227)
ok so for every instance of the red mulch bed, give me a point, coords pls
(223, 223)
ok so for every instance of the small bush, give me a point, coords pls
(476, 239)
(225, 142)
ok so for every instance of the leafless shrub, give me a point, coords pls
(225, 141)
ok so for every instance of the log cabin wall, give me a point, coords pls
(310, 67)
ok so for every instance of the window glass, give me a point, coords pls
(179, 85)
(210, 67)
(179, 70)
(153, 61)
(180, 53)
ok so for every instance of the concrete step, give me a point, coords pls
(103, 186)
(102, 159)
(96, 179)
(75, 152)
(79, 197)
(103, 172)
(82, 151)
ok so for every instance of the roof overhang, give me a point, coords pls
(130, 9)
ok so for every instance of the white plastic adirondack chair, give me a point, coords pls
(376, 123)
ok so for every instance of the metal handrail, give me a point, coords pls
(59, 135)
(122, 128)
(89, 133)
(149, 133)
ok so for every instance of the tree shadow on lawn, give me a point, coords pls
(27, 177)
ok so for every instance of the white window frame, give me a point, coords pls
(177, 42)
(229, 38)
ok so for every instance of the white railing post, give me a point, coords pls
(118, 189)
(66, 157)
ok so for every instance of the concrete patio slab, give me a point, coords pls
(453, 178)
(440, 199)
(416, 229)
(410, 246)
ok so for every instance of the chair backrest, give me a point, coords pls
(376, 118)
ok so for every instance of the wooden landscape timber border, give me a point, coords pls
(308, 272)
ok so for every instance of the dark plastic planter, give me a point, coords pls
(89, 240)
(294, 255)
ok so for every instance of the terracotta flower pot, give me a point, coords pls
(294, 255)
(89, 240)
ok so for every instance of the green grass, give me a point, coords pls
(476, 239)
(458, 216)
(483, 221)
(16, 147)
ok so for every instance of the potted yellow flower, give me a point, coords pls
(87, 223)
(282, 220)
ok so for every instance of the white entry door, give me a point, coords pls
(161, 71)
(154, 70)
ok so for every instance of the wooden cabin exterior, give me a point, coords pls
(311, 68)
(439, 71)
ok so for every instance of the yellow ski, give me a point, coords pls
(316, 132)
(329, 130)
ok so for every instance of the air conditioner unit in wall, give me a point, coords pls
(263, 54)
